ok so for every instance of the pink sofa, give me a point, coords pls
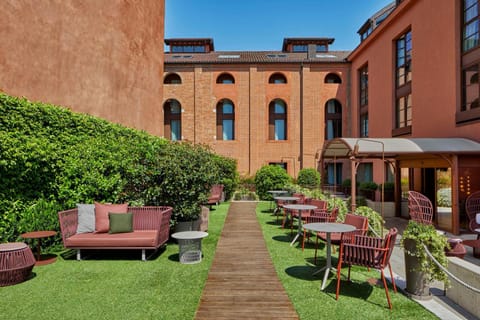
(151, 227)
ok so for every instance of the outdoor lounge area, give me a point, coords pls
(164, 288)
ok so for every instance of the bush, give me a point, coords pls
(270, 177)
(368, 186)
(444, 197)
(52, 158)
(375, 220)
(309, 178)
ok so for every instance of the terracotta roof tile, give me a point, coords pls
(241, 57)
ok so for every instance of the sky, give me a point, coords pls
(261, 25)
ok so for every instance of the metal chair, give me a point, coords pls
(319, 215)
(420, 207)
(361, 227)
(472, 208)
(370, 252)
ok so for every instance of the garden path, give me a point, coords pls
(242, 282)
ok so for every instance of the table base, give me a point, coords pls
(45, 259)
(325, 276)
(475, 244)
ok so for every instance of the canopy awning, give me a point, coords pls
(396, 147)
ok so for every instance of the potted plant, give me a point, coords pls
(367, 189)
(420, 269)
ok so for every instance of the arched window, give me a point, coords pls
(277, 120)
(225, 120)
(225, 78)
(172, 78)
(333, 78)
(172, 111)
(277, 78)
(333, 119)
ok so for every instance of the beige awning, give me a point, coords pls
(395, 147)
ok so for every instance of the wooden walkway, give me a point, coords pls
(242, 282)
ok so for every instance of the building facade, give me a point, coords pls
(102, 57)
(416, 76)
(257, 107)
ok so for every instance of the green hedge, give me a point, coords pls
(270, 177)
(52, 158)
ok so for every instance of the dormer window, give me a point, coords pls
(310, 45)
(190, 49)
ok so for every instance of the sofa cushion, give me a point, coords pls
(120, 222)
(101, 214)
(136, 239)
(86, 218)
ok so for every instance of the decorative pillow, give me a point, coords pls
(86, 218)
(120, 222)
(101, 214)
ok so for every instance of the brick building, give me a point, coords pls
(257, 107)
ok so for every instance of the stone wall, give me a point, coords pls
(458, 293)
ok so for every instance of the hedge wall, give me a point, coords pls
(52, 158)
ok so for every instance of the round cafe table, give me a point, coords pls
(299, 208)
(286, 199)
(328, 228)
(39, 235)
(276, 193)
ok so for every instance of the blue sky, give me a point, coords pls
(257, 25)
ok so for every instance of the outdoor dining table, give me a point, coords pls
(287, 199)
(276, 193)
(328, 228)
(299, 208)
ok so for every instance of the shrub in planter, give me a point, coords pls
(270, 177)
(368, 189)
(388, 191)
(308, 178)
(420, 269)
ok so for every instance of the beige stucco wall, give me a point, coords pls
(102, 57)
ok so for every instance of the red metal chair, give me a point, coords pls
(301, 200)
(370, 252)
(472, 207)
(420, 207)
(319, 215)
(358, 221)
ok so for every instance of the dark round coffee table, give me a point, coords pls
(39, 235)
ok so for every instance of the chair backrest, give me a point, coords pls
(358, 221)
(420, 207)
(388, 242)
(300, 196)
(322, 216)
(472, 205)
(320, 204)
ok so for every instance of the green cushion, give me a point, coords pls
(120, 222)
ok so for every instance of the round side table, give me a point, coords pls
(16, 263)
(190, 245)
(41, 260)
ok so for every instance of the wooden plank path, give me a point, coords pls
(242, 282)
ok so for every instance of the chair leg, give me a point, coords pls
(393, 279)
(303, 239)
(386, 289)
(339, 268)
(284, 218)
(316, 247)
(349, 267)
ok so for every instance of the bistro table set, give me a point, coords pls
(289, 203)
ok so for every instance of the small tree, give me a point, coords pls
(270, 177)
(309, 178)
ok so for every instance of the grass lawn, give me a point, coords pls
(115, 285)
(357, 300)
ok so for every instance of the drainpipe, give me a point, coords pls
(194, 106)
(300, 158)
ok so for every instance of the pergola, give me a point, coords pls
(405, 152)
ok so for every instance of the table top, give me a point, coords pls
(38, 234)
(277, 191)
(285, 198)
(329, 227)
(299, 206)
(12, 246)
(189, 235)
